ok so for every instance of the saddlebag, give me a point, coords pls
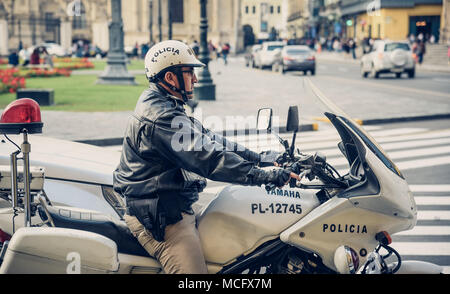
(49, 250)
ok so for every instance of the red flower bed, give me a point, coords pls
(9, 82)
(13, 78)
(73, 63)
(3, 61)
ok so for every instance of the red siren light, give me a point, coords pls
(21, 115)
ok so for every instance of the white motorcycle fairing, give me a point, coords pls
(353, 217)
(239, 219)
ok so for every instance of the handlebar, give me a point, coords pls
(311, 167)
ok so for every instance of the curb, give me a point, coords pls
(377, 121)
(118, 141)
(405, 119)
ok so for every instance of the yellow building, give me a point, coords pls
(298, 15)
(396, 23)
(262, 17)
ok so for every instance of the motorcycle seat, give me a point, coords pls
(71, 218)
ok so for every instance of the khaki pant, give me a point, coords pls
(180, 253)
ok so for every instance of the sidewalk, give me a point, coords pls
(347, 58)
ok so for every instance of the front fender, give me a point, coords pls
(418, 267)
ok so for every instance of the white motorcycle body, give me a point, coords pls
(242, 224)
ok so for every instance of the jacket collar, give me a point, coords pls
(165, 93)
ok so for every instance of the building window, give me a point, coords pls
(271, 9)
(49, 22)
(254, 9)
(246, 9)
(80, 21)
(279, 9)
(176, 10)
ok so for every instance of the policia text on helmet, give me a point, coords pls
(170, 59)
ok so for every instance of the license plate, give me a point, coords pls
(397, 70)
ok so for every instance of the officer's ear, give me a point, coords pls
(171, 78)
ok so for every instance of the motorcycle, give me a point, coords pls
(324, 223)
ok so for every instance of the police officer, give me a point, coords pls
(166, 157)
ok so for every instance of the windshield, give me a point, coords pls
(366, 138)
(273, 47)
(393, 46)
(374, 147)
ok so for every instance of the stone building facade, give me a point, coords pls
(30, 22)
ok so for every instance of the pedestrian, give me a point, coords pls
(432, 39)
(48, 59)
(421, 51)
(13, 59)
(35, 59)
(225, 51)
(26, 56)
(212, 50)
(352, 44)
(196, 48)
(448, 51)
(135, 51)
(161, 176)
(144, 49)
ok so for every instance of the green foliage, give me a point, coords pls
(80, 93)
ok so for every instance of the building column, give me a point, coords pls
(100, 35)
(66, 34)
(4, 50)
(238, 32)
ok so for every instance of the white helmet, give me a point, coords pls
(166, 55)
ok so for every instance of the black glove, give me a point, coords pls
(267, 158)
(278, 177)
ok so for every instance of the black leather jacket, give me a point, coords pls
(166, 154)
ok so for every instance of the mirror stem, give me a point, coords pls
(291, 152)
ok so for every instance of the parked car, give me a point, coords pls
(295, 57)
(388, 57)
(266, 56)
(250, 55)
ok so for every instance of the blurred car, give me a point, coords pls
(250, 55)
(388, 57)
(295, 57)
(266, 56)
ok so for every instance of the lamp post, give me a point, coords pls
(159, 20)
(151, 21)
(205, 89)
(116, 72)
(169, 19)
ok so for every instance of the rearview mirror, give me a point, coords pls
(264, 119)
(292, 119)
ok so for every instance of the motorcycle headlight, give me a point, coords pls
(114, 199)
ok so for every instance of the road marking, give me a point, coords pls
(434, 215)
(432, 200)
(385, 86)
(442, 80)
(429, 188)
(422, 248)
(426, 231)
